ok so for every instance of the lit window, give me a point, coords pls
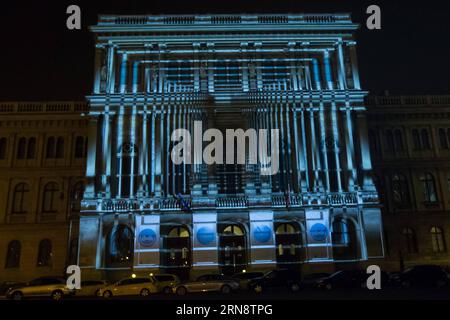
(438, 240)
(45, 253)
(428, 187)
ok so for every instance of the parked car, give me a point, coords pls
(52, 287)
(129, 287)
(244, 278)
(90, 288)
(207, 283)
(276, 278)
(8, 285)
(310, 280)
(165, 282)
(421, 276)
(347, 279)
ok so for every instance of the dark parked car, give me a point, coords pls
(282, 278)
(311, 279)
(348, 279)
(421, 276)
(245, 277)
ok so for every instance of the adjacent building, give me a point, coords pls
(42, 177)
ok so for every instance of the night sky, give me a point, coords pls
(41, 59)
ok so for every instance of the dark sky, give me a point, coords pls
(41, 60)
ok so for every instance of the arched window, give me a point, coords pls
(400, 190)
(60, 148)
(398, 139)
(285, 228)
(428, 187)
(389, 141)
(120, 246)
(21, 148)
(45, 253)
(233, 230)
(340, 235)
(50, 151)
(178, 232)
(443, 139)
(410, 240)
(49, 203)
(438, 240)
(20, 198)
(31, 148)
(425, 139)
(416, 139)
(3, 146)
(76, 195)
(79, 147)
(13, 255)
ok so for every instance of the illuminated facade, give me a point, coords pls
(296, 73)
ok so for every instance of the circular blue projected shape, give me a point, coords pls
(147, 237)
(319, 232)
(205, 235)
(262, 234)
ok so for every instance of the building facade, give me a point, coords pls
(42, 177)
(142, 212)
(410, 141)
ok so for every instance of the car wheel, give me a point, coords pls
(107, 294)
(17, 295)
(329, 286)
(167, 290)
(181, 291)
(145, 293)
(295, 287)
(57, 295)
(225, 289)
(96, 293)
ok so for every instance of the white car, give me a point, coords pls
(129, 287)
(90, 288)
(51, 287)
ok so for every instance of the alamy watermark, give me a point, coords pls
(241, 147)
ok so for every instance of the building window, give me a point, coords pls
(79, 148)
(31, 148)
(3, 146)
(340, 233)
(50, 152)
(389, 142)
(374, 142)
(438, 240)
(416, 139)
(443, 142)
(45, 254)
(21, 148)
(49, 200)
(400, 190)
(398, 139)
(428, 187)
(410, 240)
(425, 137)
(60, 148)
(120, 246)
(179, 232)
(76, 195)
(20, 196)
(13, 255)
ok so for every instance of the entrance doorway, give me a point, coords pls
(177, 252)
(290, 251)
(232, 249)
